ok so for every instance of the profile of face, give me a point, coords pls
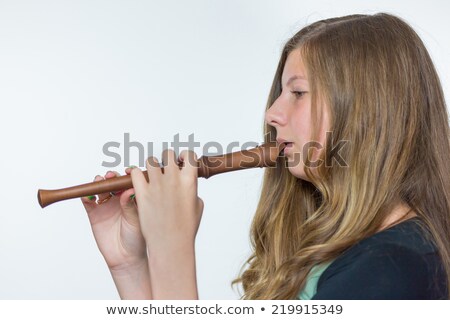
(290, 114)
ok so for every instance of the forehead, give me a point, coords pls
(294, 67)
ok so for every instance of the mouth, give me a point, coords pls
(286, 146)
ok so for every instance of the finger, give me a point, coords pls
(200, 205)
(108, 175)
(140, 184)
(128, 205)
(111, 174)
(154, 170)
(190, 163)
(127, 198)
(169, 160)
(91, 201)
(128, 170)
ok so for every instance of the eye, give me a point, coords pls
(299, 94)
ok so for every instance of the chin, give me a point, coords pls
(298, 172)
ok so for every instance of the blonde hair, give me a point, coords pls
(384, 96)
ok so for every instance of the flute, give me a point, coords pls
(261, 156)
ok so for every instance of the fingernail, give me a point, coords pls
(132, 167)
(132, 196)
(91, 197)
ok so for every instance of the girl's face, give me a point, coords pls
(290, 114)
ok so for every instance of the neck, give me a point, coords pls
(399, 214)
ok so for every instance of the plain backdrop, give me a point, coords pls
(75, 75)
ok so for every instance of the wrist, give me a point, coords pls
(170, 246)
(129, 268)
(133, 280)
(173, 273)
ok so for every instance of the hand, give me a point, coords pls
(169, 208)
(169, 213)
(116, 228)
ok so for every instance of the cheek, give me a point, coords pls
(325, 126)
(301, 125)
(296, 168)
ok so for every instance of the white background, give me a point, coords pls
(77, 74)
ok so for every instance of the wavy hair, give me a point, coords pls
(384, 96)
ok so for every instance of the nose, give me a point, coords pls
(275, 115)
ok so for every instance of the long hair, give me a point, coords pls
(384, 96)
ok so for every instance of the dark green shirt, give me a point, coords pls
(396, 263)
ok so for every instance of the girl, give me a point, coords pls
(359, 206)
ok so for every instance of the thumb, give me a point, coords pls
(200, 205)
(129, 208)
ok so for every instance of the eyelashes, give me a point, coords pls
(299, 94)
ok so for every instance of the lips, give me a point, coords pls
(288, 147)
(287, 144)
(280, 141)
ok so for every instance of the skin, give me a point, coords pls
(290, 114)
(149, 244)
(116, 228)
(156, 261)
(169, 213)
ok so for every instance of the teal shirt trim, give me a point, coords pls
(310, 288)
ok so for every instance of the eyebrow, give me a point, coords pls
(295, 78)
